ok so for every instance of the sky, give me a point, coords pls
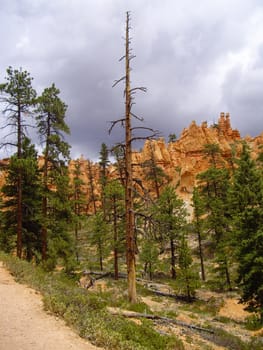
(196, 59)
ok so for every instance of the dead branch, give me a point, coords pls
(141, 88)
(137, 117)
(119, 80)
(115, 122)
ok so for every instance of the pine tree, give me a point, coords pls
(246, 201)
(169, 212)
(149, 255)
(55, 181)
(27, 167)
(104, 162)
(115, 212)
(18, 97)
(92, 195)
(198, 224)
(78, 202)
(187, 277)
(213, 185)
(153, 173)
(98, 236)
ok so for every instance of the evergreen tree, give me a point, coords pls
(172, 138)
(92, 195)
(246, 201)
(115, 212)
(59, 218)
(153, 173)
(170, 214)
(213, 185)
(104, 162)
(187, 277)
(55, 181)
(119, 154)
(98, 236)
(79, 201)
(17, 97)
(27, 167)
(198, 224)
(149, 255)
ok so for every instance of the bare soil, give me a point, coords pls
(24, 325)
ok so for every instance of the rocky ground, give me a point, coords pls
(217, 310)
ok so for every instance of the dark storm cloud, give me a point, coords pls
(195, 61)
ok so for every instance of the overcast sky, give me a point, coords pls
(196, 58)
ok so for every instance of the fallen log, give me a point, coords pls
(100, 275)
(159, 318)
(174, 296)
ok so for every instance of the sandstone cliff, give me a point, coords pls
(181, 160)
(184, 158)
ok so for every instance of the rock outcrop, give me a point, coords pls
(183, 159)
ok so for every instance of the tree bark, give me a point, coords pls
(116, 269)
(45, 200)
(172, 247)
(19, 185)
(129, 213)
(201, 255)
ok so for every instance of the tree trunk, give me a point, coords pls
(172, 247)
(201, 255)
(44, 229)
(19, 216)
(44, 199)
(92, 190)
(228, 281)
(129, 213)
(100, 256)
(19, 187)
(116, 270)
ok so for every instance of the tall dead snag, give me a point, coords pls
(128, 181)
(129, 211)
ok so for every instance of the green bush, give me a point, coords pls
(253, 322)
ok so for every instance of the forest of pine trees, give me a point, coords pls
(126, 228)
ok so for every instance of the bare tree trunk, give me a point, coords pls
(19, 187)
(128, 178)
(116, 267)
(129, 212)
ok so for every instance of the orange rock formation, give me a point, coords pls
(181, 160)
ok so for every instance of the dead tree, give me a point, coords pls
(128, 173)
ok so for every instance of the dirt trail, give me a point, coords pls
(25, 326)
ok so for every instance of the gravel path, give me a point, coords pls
(24, 325)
